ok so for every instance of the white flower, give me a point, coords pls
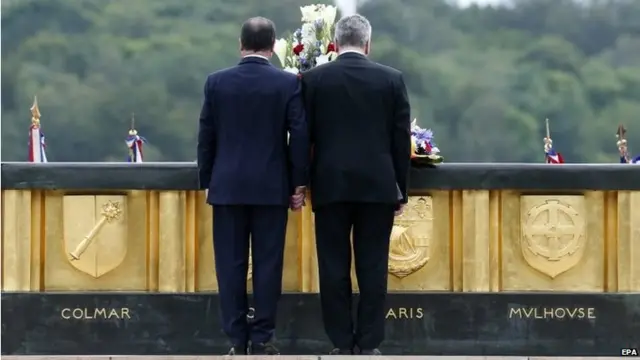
(329, 15)
(280, 49)
(322, 59)
(291, 70)
(332, 55)
(310, 13)
(308, 34)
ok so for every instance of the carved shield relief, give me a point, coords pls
(95, 232)
(553, 232)
(411, 237)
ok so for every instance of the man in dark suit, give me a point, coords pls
(252, 176)
(359, 117)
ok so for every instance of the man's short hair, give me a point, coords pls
(353, 30)
(258, 34)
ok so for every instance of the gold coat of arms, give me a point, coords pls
(95, 232)
(411, 237)
(553, 233)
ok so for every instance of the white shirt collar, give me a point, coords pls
(254, 55)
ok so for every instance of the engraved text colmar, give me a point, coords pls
(95, 313)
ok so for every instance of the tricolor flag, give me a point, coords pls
(627, 160)
(37, 145)
(134, 143)
(550, 155)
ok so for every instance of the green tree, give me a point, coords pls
(484, 78)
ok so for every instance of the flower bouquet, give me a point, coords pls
(423, 150)
(312, 44)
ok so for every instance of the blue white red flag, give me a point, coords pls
(625, 160)
(134, 143)
(37, 144)
(550, 155)
(553, 157)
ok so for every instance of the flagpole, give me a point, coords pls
(622, 145)
(134, 143)
(547, 140)
(37, 145)
(132, 130)
(550, 155)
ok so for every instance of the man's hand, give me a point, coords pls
(298, 198)
(399, 210)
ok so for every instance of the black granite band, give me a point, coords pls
(540, 324)
(183, 176)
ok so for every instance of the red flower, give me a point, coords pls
(298, 49)
(427, 147)
(331, 47)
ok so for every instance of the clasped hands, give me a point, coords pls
(297, 200)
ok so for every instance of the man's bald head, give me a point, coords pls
(257, 34)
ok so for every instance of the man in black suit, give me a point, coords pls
(359, 117)
(252, 176)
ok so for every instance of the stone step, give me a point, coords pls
(297, 358)
(468, 324)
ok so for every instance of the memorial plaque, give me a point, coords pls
(417, 324)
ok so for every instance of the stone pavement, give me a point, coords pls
(310, 357)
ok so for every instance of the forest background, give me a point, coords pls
(483, 78)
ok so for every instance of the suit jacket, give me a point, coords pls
(359, 118)
(243, 154)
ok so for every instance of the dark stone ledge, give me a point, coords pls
(183, 176)
(507, 324)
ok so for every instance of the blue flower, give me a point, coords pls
(423, 139)
(422, 134)
(428, 134)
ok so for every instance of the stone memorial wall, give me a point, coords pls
(488, 259)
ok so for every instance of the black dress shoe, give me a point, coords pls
(238, 350)
(370, 352)
(264, 349)
(338, 351)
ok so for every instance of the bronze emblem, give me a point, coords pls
(552, 236)
(95, 233)
(411, 237)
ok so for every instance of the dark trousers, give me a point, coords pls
(232, 226)
(371, 225)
